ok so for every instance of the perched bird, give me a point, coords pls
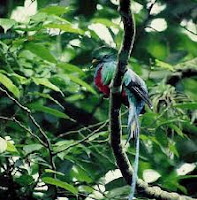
(134, 95)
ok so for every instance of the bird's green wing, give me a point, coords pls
(135, 84)
(107, 72)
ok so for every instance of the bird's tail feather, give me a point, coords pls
(136, 162)
(131, 124)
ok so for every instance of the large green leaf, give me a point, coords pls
(9, 85)
(65, 27)
(80, 174)
(41, 51)
(51, 111)
(70, 68)
(82, 83)
(32, 147)
(61, 184)
(47, 83)
(54, 10)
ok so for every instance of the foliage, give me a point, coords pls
(54, 123)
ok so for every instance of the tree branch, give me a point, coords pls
(13, 119)
(115, 118)
(47, 141)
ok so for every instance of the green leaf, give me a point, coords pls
(164, 65)
(118, 192)
(82, 83)
(9, 85)
(3, 145)
(70, 68)
(65, 27)
(11, 147)
(41, 52)
(55, 10)
(61, 184)
(47, 96)
(156, 48)
(7, 23)
(24, 180)
(32, 147)
(173, 149)
(51, 111)
(47, 83)
(80, 174)
(53, 172)
(22, 79)
(105, 22)
(177, 129)
(187, 177)
(192, 105)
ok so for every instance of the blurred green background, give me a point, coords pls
(45, 64)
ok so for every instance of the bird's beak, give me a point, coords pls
(94, 61)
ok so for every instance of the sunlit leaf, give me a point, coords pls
(47, 83)
(54, 10)
(54, 172)
(65, 27)
(150, 175)
(11, 147)
(9, 85)
(6, 24)
(80, 174)
(164, 65)
(105, 22)
(3, 145)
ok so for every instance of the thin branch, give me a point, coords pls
(82, 140)
(81, 129)
(28, 111)
(13, 119)
(48, 143)
(192, 32)
(115, 119)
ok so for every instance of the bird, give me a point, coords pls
(134, 96)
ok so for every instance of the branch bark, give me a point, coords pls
(123, 163)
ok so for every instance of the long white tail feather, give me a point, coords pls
(136, 162)
(131, 118)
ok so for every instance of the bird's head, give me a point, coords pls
(103, 54)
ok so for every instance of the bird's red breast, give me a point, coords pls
(99, 83)
(105, 88)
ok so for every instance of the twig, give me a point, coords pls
(192, 32)
(25, 109)
(13, 119)
(48, 143)
(81, 129)
(115, 120)
(82, 140)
